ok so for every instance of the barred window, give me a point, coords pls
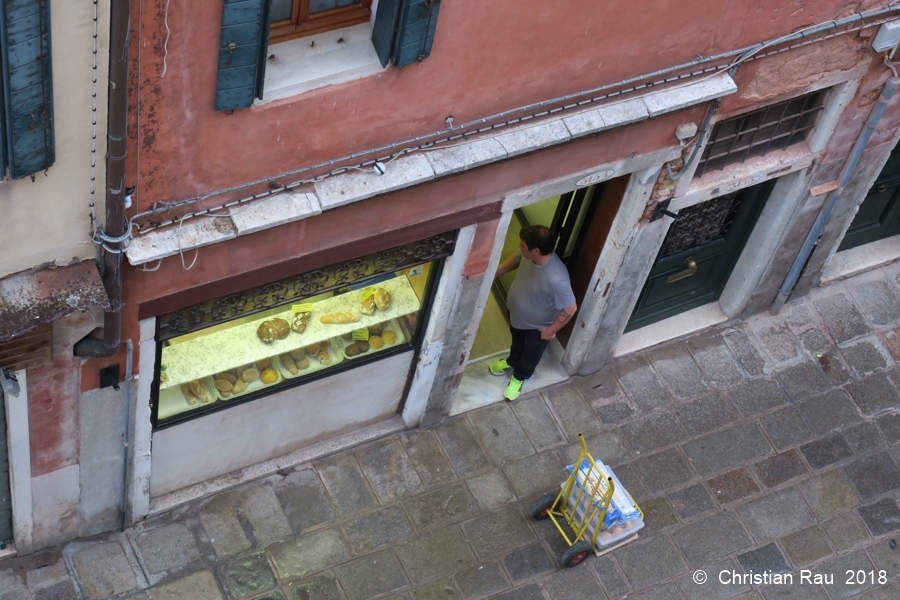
(781, 125)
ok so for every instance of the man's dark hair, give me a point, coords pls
(537, 236)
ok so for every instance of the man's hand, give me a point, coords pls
(549, 332)
(509, 264)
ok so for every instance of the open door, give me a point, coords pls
(589, 238)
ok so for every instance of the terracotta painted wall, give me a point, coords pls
(487, 57)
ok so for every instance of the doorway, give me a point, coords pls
(878, 216)
(580, 221)
(698, 255)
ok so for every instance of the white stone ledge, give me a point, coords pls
(677, 98)
(273, 211)
(619, 114)
(529, 138)
(467, 155)
(191, 235)
(359, 185)
(414, 169)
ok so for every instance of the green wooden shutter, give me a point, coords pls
(415, 33)
(242, 53)
(27, 82)
(383, 30)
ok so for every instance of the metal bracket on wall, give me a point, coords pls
(662, 209)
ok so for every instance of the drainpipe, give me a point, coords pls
(831, 200)
(116, 149)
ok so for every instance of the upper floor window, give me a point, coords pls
(297, 18)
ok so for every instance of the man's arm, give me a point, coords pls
(564, 316)
(509, 264)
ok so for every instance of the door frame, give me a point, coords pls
(791, 168)
(644, 170)
(18, 442)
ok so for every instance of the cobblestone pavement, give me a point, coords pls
(768, 445)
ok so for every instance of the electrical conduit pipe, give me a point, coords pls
(812, 238)
(116, 150)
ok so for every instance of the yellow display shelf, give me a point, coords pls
(239, 345)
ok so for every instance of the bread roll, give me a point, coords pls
(230, 378)
(324, 357)
(367, 306)
(282, 328)
(289, 363)
(382, 299)
(376, 342)
(266, 332)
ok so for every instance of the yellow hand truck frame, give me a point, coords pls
(589, 498)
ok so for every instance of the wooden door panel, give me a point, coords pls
(588, 253)
(665, 294)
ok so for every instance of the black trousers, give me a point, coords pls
(525, 352)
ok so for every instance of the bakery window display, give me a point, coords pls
(282, 346)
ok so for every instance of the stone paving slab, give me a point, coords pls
(104, 570)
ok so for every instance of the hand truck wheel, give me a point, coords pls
(541, 508)
(576, 554)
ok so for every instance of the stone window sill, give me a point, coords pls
(316, 61)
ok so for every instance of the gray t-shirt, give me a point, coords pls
(538, 293)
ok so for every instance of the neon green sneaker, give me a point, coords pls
(500, 367)
(513, 389)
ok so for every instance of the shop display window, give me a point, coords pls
(289, 332)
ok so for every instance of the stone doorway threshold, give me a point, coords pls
(479, 388)
(854, 261)
(671, 328)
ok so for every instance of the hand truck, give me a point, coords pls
(582, 502)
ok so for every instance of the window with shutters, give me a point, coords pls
(298, 18)
(26, 87)
(280, 48)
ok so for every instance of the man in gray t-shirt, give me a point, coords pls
(540, 303)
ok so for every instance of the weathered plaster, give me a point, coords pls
(55, 498)
(433, 344)
(46, 220)
(53, 414)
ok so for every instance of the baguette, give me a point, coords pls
(339, 317)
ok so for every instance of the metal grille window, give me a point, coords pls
(753, 134)
(701, 223)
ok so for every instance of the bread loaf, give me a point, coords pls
(339, 317)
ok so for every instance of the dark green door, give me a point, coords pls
(698, 255)
(878, 216)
